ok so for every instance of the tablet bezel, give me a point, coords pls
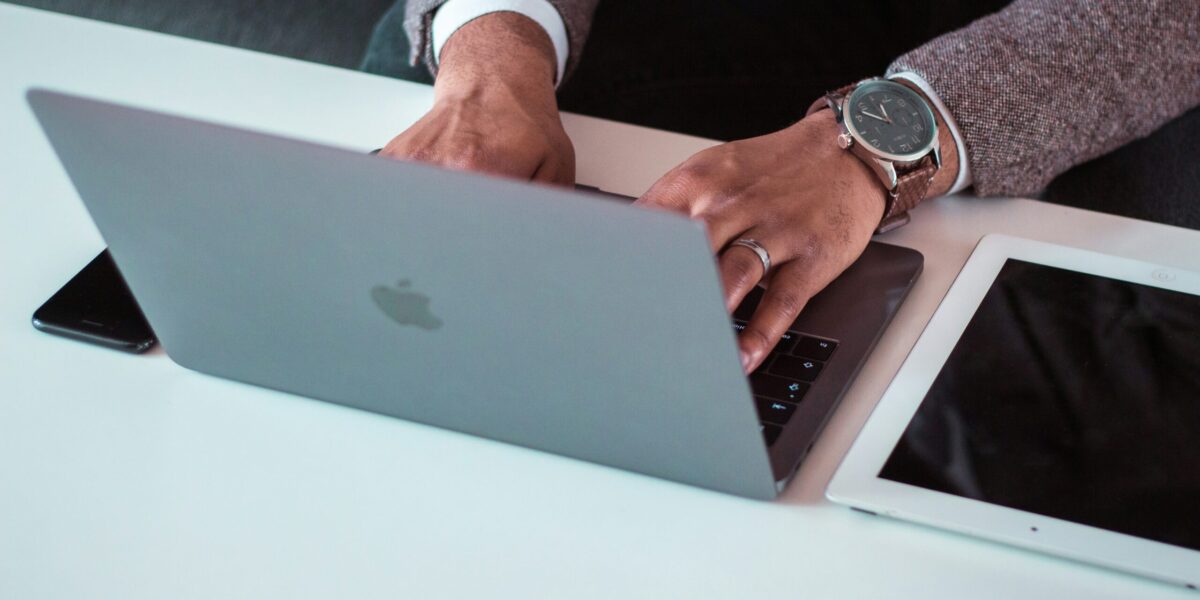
(857, 483)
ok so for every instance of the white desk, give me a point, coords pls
(130, 477)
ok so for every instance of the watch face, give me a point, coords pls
(891, 119)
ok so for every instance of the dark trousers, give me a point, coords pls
(730, 69)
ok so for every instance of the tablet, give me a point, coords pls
(1052, 402)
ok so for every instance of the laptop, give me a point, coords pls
(549, 318)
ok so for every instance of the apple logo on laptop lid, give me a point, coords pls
(404, 306)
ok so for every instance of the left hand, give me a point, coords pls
(812, 205)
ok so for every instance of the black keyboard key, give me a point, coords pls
(777, 388)
(774, 411)
(811, 347)
(770, 433)
(786, 341)
(804, 369)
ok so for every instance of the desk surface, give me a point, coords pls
(130, 477)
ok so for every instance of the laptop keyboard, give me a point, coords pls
(785, 376)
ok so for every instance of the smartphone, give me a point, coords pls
(96, 306)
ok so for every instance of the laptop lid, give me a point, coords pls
(522, 313)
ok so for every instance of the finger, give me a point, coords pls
(741, 269)
(553, 173)
(411, 144)
(406, 149)
(791, 288)
(666, 194)
(678, 189)
(545, 173)
(396, 149)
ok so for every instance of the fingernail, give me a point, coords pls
(745, 361)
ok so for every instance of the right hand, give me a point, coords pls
(494, 108)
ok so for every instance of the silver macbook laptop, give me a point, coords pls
(549, 318)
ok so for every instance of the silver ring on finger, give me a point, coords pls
(758, 249)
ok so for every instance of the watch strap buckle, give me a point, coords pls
(895, 221)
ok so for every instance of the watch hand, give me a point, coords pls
(885, 115)
(876, 117)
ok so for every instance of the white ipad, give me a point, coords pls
(1052, 402)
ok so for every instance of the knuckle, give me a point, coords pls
(402, 149)
(729, 162)
(465, 157)
(717, 205)
(721, 200)
(423, 154)
(692, 173)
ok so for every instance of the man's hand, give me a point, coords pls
(812, 205)
(494, 107)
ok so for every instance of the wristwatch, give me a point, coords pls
(891, 128)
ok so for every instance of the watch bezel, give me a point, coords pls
(902, 159)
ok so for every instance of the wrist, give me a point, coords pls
(817, 135)
(498, 54)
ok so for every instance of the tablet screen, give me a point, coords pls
(1072, 396)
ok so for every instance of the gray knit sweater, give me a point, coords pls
(1035, 89)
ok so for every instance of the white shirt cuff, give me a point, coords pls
(963, 180)
(455, 13)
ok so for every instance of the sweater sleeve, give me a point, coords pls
(418, 23)
(1044, 85)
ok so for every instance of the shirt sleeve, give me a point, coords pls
(963, 179)
(453, 14)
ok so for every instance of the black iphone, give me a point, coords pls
(96, 306)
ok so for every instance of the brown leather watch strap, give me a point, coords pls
(912, 186)
(826, 101)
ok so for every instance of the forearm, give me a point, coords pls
(504, 50)
(1044, 85)
(419, 14)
